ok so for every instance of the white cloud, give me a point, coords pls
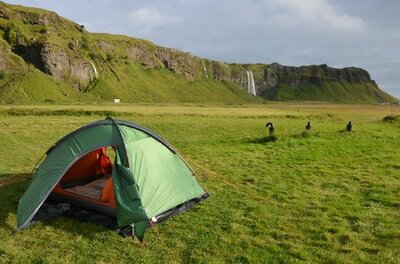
(320, 14)
(145, 20)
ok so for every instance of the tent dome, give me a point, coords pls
(145, 181)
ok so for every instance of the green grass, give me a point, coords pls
(325, 196)
(35, 86)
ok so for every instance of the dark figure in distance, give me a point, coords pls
(271, 128)
(349, 127)
(308, 126)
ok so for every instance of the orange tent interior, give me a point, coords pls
(89, 180)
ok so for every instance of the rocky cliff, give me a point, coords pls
(314, 83)
(73, 63)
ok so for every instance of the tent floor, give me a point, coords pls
(91, 189)
(85, 194)
(84, 204)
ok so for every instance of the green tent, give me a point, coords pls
(115, 169)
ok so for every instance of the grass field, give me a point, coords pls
(326, 196)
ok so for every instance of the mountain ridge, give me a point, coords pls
(70, 63)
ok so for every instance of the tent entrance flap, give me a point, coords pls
(89, 179)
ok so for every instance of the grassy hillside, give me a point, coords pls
(330, 91)
(34, 86)
(322, 83)
(136, 83)
(50, 58)
(326, 196)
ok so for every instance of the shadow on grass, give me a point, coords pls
(264, 140)
(12, 186)
(344, 131)
(391, 118)
(304, 134)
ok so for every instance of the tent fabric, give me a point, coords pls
(158, 173)
(148, 177)
(108, 195)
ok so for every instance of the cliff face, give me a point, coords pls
(317, 82)
(107, 66)
(315, 74)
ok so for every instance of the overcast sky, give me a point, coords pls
(340, 33)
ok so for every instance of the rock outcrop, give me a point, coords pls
(58, 64)
(274, 74)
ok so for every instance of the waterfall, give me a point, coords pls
(252, 84)
(96, 74)
(251, 88)
(247, 82)
(205, 70)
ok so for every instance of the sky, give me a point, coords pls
(340, 33)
